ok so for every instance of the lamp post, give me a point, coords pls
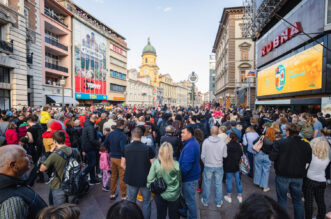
(193, 78)
(63, 83)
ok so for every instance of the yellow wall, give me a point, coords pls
(150, 68)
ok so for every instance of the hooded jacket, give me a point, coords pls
(13, 187)
(232, 161)
(213, 152)
(11, 136)
(44, 117)
(89, 137)
(48, 136)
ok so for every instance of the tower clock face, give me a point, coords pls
(146, 71)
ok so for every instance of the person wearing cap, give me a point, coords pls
(234, 130)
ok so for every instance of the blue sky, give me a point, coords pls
(182, 31)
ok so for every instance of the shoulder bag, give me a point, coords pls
(159, 185)
(258, 145)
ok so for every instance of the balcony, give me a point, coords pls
(56, 67)
(29, 58)
(57, 44)
(54, 16)
(6, 46)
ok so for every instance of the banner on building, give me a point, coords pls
(90, 63)
(298, 73)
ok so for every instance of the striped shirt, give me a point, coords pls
(14, 208)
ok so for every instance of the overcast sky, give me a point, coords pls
(182, 31)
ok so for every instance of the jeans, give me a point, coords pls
(250, 157)
(294, 186)
(188, 191)
(229, 177)
(58, 196)
(105, 178)
(163, 206)
(261, 169)
(208, 173)
(91, 157)
(132, 192)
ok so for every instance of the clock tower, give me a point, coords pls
(149, 66)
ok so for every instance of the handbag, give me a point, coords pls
(244, 164)
(258, 145)
(159, 185)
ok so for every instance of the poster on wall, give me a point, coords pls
(89, 63)
(300, 72)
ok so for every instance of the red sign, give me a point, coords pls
(288, 34)
(90, 86)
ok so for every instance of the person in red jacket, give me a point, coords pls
(56, 126)
(11, 134)
(82, 118)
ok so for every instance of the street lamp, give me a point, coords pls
(63, 83)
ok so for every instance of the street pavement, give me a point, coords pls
(96, 203)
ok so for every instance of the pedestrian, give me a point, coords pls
(136, 161)
(189, 161)
(317, 126)
(213, 152)
(104, 165)
(11, 134)
(45, 116)
(289, 171)
(64, 211)
(167, 168)
(114, 143)
(171, 138)
(56, 162)
(315, 183)
(222, 134)
(234, 129)
(231, 167)
(16, 199)
(90, 146)
(124, 210)
(262, 162)
(306, 126)
(326, 133)
(249, 138)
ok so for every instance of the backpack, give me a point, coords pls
(39, 141)
(162, 127)
(73, 182)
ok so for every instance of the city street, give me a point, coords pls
(96, 203)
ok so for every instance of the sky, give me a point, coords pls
(182, 31)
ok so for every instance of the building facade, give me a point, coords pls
(211, 77)
(181, 95)
(234, 54)
(169, 89)
(140, 90)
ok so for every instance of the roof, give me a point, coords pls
(149, 48)
(222, 21)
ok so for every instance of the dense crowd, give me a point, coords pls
(165, 154)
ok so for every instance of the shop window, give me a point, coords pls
(4, 99)
(244, 54)
(4, 75)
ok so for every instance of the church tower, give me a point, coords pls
(149, 66)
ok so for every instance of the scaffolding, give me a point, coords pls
(257, 17)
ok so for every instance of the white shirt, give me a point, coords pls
(316, 170)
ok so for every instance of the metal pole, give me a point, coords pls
(249, 93)
(193, 94)
(62, 95)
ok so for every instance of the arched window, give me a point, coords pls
(146, 60)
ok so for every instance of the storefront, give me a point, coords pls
(292, 67)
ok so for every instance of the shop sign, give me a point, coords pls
(118, 98)
(298, 73)
(288, 34)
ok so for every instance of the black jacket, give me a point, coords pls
(290, 156)
(12, 187)
(232, 161)
(174, 141)
(115, 142)
(267, 146)
(89, 137)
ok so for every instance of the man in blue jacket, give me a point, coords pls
(115, 143)
(189, 162)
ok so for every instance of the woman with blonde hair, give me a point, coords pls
(167, 168)
(315, 183)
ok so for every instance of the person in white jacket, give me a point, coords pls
(213, 151)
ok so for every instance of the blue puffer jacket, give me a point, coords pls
(189, 161)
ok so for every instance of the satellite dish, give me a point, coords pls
(193, 77)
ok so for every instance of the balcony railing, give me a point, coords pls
(56, 67)
(29, 58)
(6, 46)
(52, 15)
(57, 44)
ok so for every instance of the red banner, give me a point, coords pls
(90, 86)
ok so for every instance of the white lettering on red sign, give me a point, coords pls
(282, 38)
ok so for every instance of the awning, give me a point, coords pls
(273, 102)
(58, 99)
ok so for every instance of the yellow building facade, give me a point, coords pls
(149, 66)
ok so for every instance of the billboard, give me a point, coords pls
(89, 63)
(300, 72)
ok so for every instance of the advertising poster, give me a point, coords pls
(90, 63)
(301, 72)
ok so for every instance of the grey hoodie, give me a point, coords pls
(213, 152)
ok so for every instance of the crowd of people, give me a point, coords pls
(165, 154)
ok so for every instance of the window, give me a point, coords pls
(4, 99)
(51, 36)
(29, 82)
(244, 54)
(117, 88)
(52, 59)
(4, 75)
(26, 15)
(242, 76)
(118, 75)
(117, 62)
(146, 60)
